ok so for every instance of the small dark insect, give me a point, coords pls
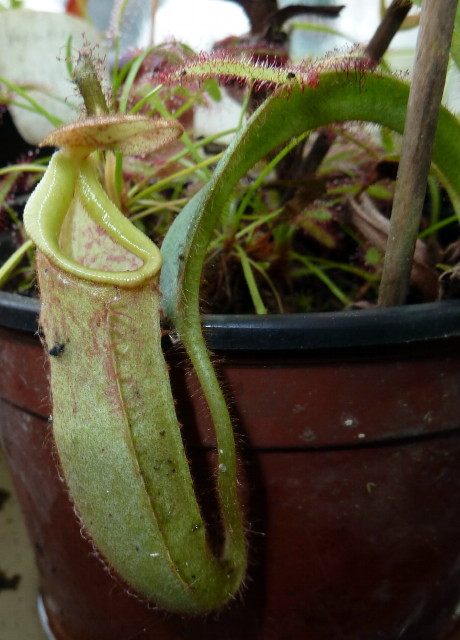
(9, 583)
(291, 75)
(4, 495)
(57, 349)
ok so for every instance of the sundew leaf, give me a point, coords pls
(340, 96)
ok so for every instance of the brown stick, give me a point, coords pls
(379, 43)
(432, 55)
(389, 25)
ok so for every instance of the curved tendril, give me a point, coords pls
(67, 178)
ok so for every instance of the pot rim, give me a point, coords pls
(293, 332)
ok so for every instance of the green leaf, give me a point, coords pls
(455, 46)
(373, 257)
(256, 298)
(211, 86)
(338, 97)
(128, 84)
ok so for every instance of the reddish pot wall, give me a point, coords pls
(352, 489)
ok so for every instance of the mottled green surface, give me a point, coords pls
(119, 441)
(114, 420)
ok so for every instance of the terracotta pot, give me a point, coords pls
(349, 437)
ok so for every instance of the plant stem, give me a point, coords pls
(391, 21)
(13, 261)
(432, 55)
(89, 85)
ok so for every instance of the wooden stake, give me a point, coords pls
(388, 27)
(432, 55)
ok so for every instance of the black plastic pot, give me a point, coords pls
(349, 432)
(301, 331)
